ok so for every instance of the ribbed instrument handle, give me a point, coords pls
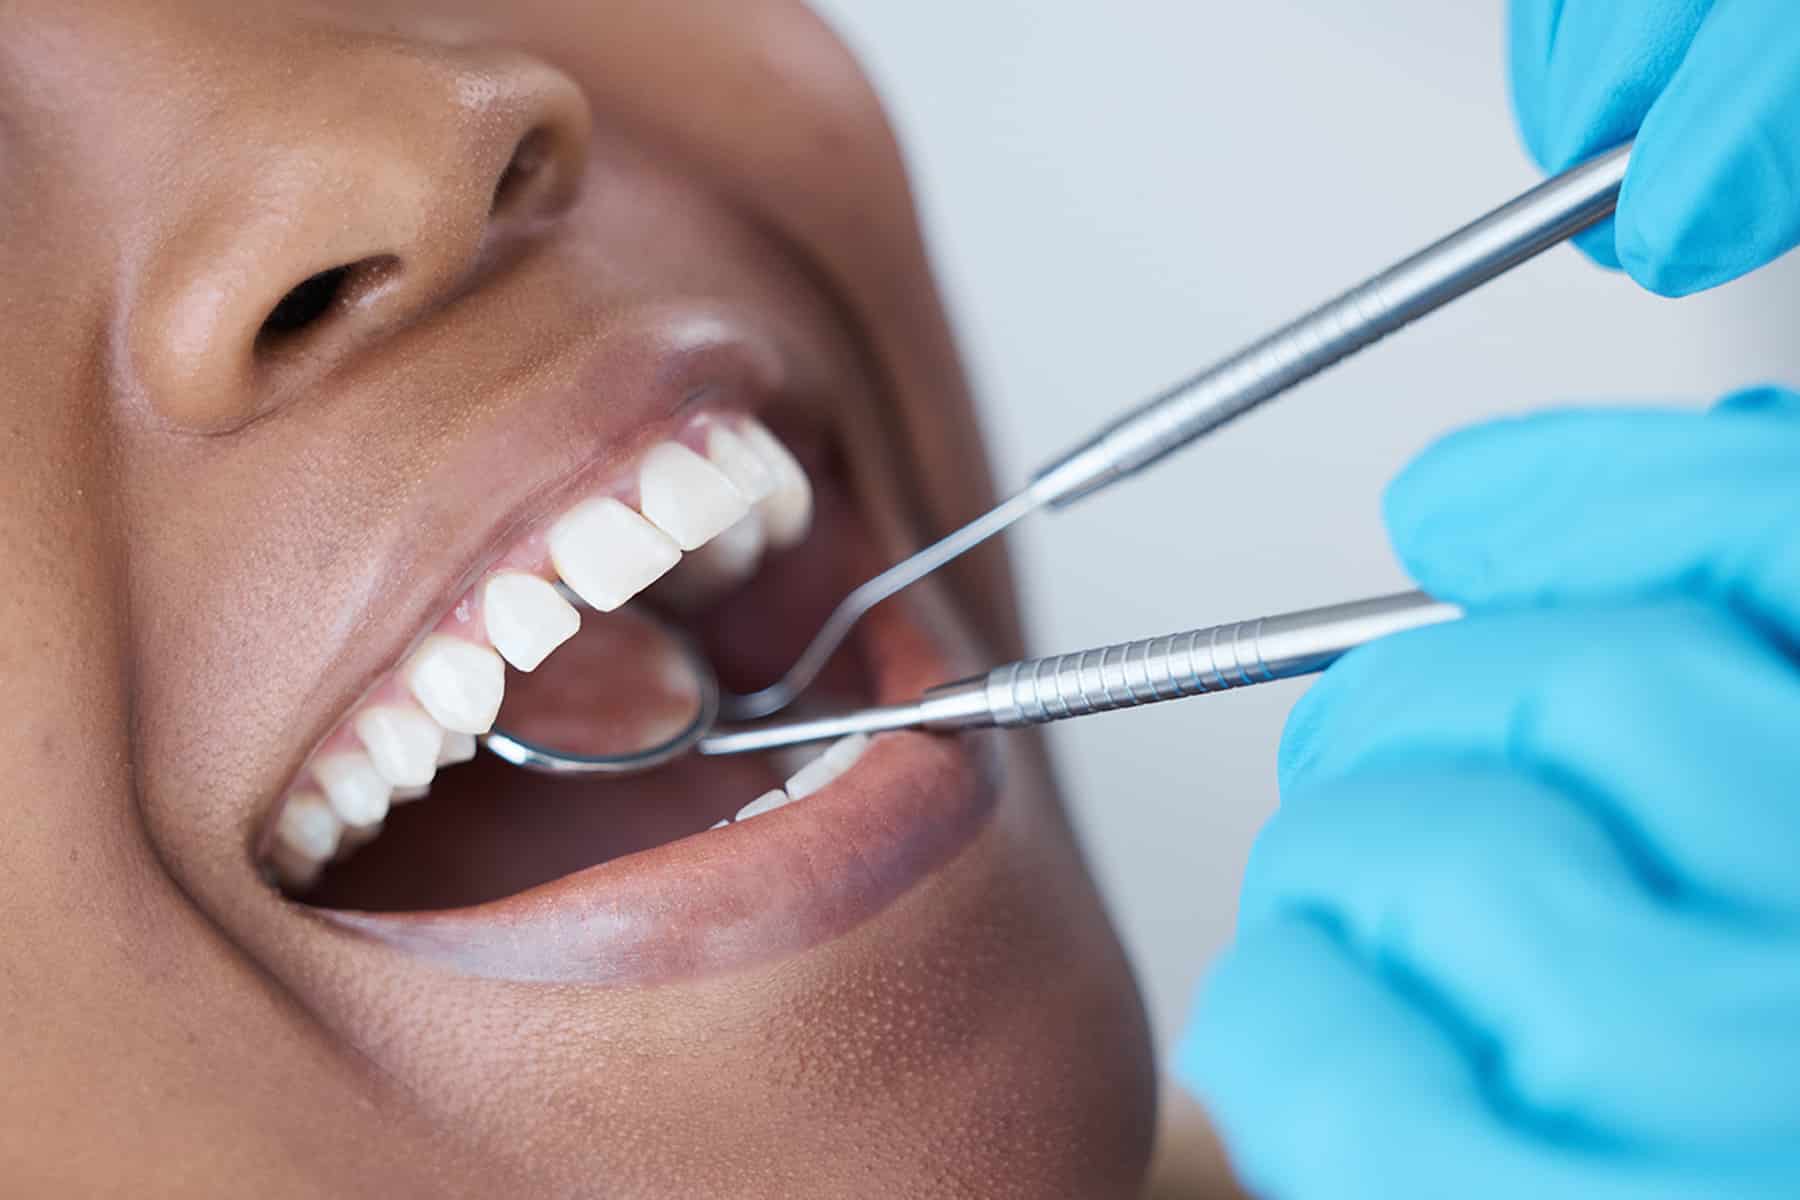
(1039, 690)
(1214, 659)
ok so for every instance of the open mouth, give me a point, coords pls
(397, 827)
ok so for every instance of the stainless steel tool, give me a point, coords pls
(1038, 691)
(1512, 234)
(1143, 672)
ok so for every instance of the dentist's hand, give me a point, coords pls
(1711, 89)
(1527, 923)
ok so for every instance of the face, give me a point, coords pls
(334, 333)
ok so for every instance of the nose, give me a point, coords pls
(355, 202)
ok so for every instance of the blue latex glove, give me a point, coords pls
(1527, 923)
(1711, 88)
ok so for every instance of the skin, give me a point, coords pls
(198, 526)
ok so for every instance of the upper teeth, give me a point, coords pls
(608, 553)
(357, 792)
(460, 683)
(402, 741)
(744, 492)
(306, 836)
(787, 509)
(526, 617)
(687, 497)
(457, 748)
(742, 465)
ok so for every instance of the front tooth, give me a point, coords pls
(828, 767)
(788, 509)
(767, 802)
(526, 618)
(748, 473)
(308, 828)
(687, 497)
(457, 748)
(402, 742)
(458, 682)
(353, 787)
(608, 553)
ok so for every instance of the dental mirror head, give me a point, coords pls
(625, 694)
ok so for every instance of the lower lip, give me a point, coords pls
(774, 885)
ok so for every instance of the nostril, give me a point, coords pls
(305, 305)
(525, 171)
(527, 156)
(312, 301)
(344, 224)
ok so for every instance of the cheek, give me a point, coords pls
(243, 571)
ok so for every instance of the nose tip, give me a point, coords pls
(352, 210)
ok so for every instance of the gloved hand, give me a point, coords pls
(1713, 189)
(1527, 923)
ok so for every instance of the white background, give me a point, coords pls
(1119, 191)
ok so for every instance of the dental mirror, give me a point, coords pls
(625, 694)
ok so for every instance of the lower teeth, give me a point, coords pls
(813, 777)
(765, 803)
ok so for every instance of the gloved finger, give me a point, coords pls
(1608, 1012)
(1584, 75)
(1329, 1077)
(1673, 721)
(1713, 190)
(1609, 503)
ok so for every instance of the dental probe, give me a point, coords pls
(1038, 691)
(1514, 233)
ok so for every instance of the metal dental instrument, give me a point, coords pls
(1073, 685)
(1512, 234)
(1038, 691)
